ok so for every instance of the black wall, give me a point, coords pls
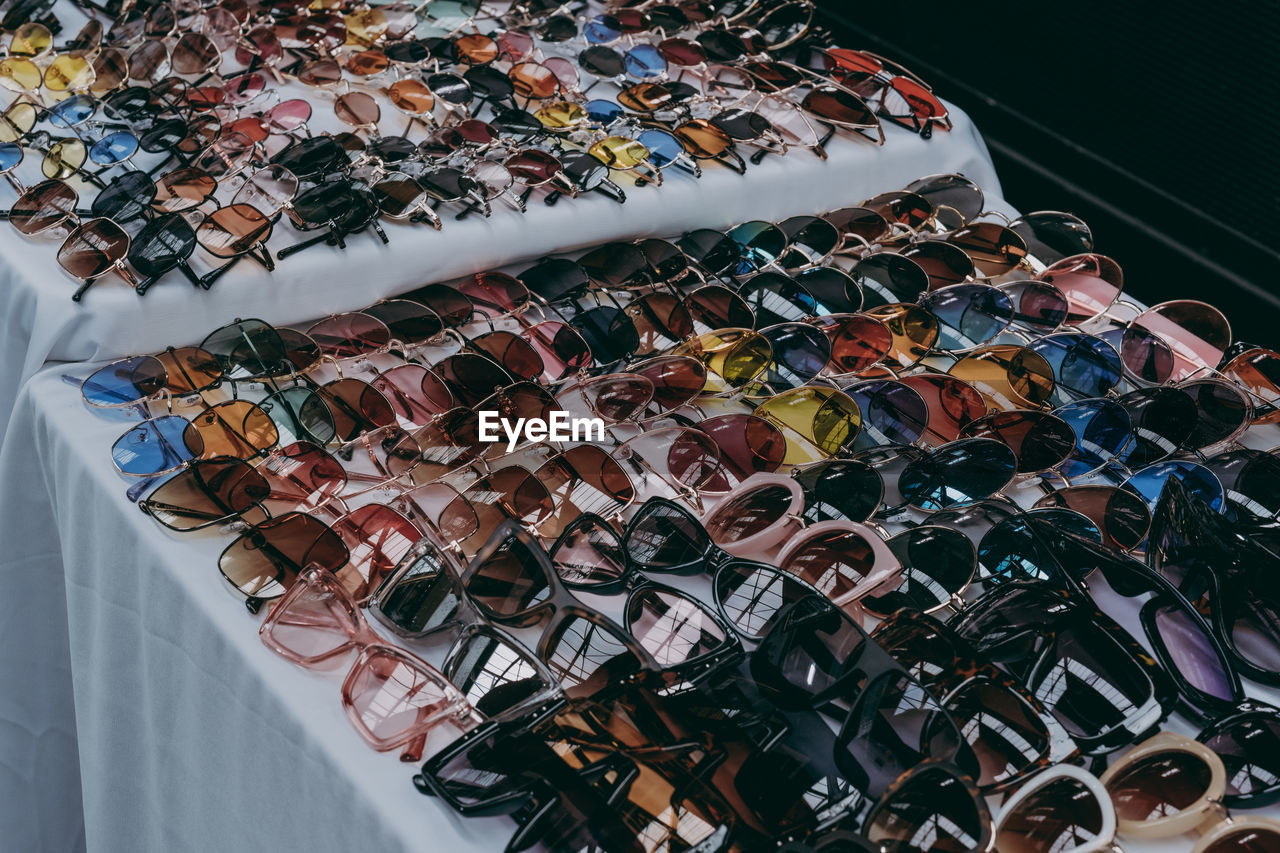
(1157, 122)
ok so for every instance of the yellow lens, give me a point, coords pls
(561, 115)
(914, 330)
(65, 157)
(68, 72)
(828, 420)
(31, 39)
(1008, 377)
(17, 122)
(618, 152)
(366, 26)
(19, 75)
(733, 357)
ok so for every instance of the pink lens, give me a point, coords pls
(351, 334)
(377, 537)
(1091, 283)
(288, 116)
(392, 696)
(416, 394)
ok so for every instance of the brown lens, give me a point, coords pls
(676, 379)
(1257, 371)
(839, 107)
(233, 230)
(857, 341)
(516, 355)
(189, 369)
(411, 96)
(1060, 815)
(933, 810)
(750, 513)
(236, 428)
(472, 377)
(952, 404)
(661, 319)
(618, 397)
(703, 139)
(210, 491)
(184, 189)
(910, 209)
(1039, 440)
(994, 249)
(715, 306)
(93, 248)
(356, 406)
(913, 329)
(476, 49)
(367, 63)
(195, 53)
(944, 263)
(561, 348)
(1159, 785)
(1121, 517)
(43, 206)
(320, 73)
(495, 293)
(1247, 839)
(265, 561)
(509, 493)
(1008, 377)
(357, 109)
(583, 479)
(149, 62)
(533, 81)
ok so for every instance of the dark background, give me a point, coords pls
(1158, 123)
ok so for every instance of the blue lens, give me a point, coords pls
(114, 148)
(74, 110)
(156, 446)
(125, 382)
(761, 243)
(603, 111)
(1103, 431)
(1083, 366)
(968, 315)
(799, 352)
(892, 413)
(602, 29)
(1199, 480)
(663, 147)
(10, 155)
(644, 61)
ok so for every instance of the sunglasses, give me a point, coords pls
(391, 696)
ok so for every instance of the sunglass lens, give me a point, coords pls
(125, 382)
(157, 445)
(751, 595)
(959, 473)
(1062, 814)
(937, 564)
(672, 626)
(935, 805)
(1159, 785)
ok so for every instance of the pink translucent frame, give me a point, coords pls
(392, 697)
(844, 559)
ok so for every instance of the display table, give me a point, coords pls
(134, 689)
(40, 323)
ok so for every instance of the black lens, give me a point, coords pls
(800, 352)
(609, 332)
(958, 473)
(556, 279)
(713, 251)
(125, 198)
(937, 564)
(495, 673)
(426, 597)
(1163, 419)
(162, 244)
(840, 489)
(752, 595)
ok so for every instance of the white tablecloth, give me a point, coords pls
(134, 690)
(39, 322)
(129, 673)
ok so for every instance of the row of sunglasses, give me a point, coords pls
(848, 563)
(244, 158)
